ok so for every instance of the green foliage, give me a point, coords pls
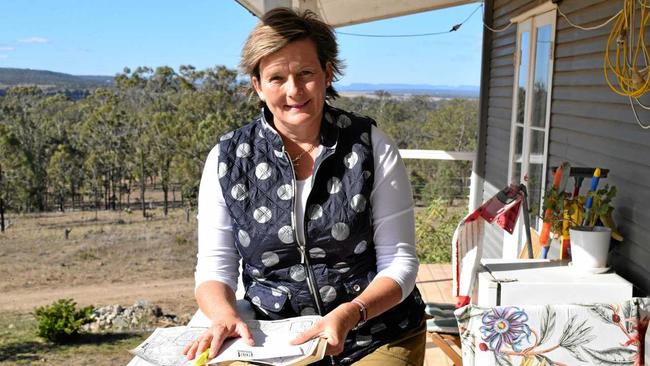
(420, 122)
(95, 150)
(61, 321)
(601, 204)
(159, 124)
(554, 207)
(558, 202)
(434, 228)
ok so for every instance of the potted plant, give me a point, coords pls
(589, 230)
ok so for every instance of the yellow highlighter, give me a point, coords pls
(203, 359)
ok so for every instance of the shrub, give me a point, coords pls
(61, 321)
(434, 228)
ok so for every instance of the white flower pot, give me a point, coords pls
(589, 247)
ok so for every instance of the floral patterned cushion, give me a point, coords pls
(579, 334)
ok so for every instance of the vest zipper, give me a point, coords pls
(313, 179)
(302, 247)
(328, 153)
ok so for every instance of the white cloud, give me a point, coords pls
(34, 40)
(7, 49)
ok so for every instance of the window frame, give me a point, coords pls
(530, 21)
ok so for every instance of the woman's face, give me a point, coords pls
(293, 83)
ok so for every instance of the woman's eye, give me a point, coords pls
(306, 73)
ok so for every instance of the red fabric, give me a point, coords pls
(505, 214)
(462, 301)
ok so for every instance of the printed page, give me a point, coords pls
(164, 346)
(271, 342)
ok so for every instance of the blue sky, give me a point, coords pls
(101, 37)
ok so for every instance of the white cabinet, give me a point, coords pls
(544, 282)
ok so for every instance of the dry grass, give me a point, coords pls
(114, 247)
(19, 346)
(109, 252)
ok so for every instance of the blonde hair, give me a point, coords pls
(281, 26)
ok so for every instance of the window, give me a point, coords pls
(531, 107)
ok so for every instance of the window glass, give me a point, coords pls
(535, 174)
(540, 81)
(523, 76)
(530, 106)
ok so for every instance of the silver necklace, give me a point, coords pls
(296, 161)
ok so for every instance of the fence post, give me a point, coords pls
(474, 188)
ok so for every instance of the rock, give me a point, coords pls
(120, 323)
(156, 311)
(141, 304)
(142, 315)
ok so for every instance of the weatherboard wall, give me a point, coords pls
(589, 126)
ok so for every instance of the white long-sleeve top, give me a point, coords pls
(392, 214)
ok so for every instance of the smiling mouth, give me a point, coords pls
(297, 106)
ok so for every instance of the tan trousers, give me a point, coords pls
(406, 351)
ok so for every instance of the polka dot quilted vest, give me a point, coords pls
(284, 277)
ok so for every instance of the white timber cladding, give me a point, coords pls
(340, 13)
(527, 163)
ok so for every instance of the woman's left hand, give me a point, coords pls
(334, 327)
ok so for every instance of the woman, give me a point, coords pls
(316, 203)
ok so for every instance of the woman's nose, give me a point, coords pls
(294, 86)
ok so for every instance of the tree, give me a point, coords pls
(60, 173)
(164, 126)
(212, 103)
(134, 98)
(2, 203)
(26, 145)
(102, 135)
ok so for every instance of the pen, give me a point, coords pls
(203, 359)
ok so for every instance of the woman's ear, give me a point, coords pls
(258, 87)
(329, 74)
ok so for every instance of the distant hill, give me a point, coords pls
(51, 80)
(55, 81)
(463, 91)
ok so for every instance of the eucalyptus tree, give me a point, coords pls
(104, 141)
(26, 146)
(60, 117)
(215, 102)
(134, 97)
(452, 127)
(164, 88)
(60, 172)
(2, 203)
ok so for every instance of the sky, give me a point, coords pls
(101, 37)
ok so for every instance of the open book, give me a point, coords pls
(164, 345)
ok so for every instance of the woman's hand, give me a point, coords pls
(334, 327)
(221, 329)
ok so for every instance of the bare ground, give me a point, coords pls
(114, 257)
(166, 293)
(109, 258)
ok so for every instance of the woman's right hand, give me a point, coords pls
(221, 329)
